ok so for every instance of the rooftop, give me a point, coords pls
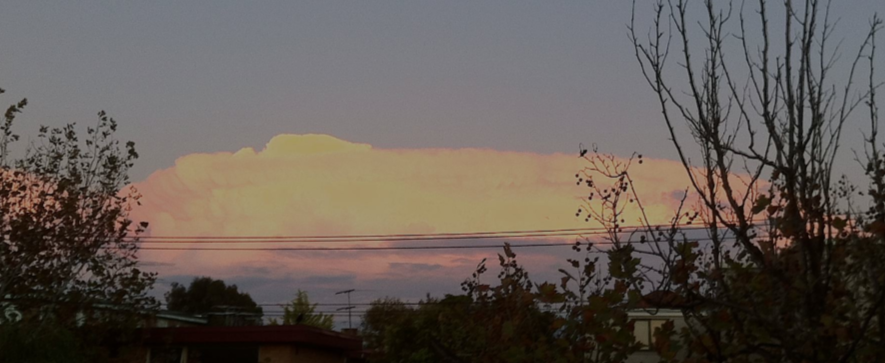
(274, 334)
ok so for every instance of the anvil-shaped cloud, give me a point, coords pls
(321, 185)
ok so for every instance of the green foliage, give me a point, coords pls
(512, 320)
(381, 321)
(300, 311)
(68, 250)
(438, 330)
(205, 295)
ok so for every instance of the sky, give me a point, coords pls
(318, 185)
(335, 117)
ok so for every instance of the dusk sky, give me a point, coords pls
(352, 117)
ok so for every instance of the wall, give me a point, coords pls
(649, 356)
(276, 354)
(297, 354)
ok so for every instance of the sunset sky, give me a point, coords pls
(317, 185)
(280, 118)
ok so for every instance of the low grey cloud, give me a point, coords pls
(328, 279)
(155, 264)
(414, 267)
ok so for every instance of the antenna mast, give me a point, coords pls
(349, 307)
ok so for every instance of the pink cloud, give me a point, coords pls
(321, 185)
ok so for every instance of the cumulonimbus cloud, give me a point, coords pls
(321, 185)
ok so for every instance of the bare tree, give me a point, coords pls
(789, 265)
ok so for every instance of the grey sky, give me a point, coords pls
(205, 76)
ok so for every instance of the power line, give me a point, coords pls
(381, 248)
(364, 312)
(342, 304)
(362, 236)
(436, 247)
(370, 236)
(407, 303)
(396, 239)
(403, 238)
(342, 315)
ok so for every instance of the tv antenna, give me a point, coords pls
(349, 307)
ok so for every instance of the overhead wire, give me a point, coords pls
(395, 248)
(361, 248)
(405, 303)
(363, 236)
(145, 240)
(394, 239)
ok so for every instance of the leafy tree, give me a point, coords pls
(382, 319)
(510, 320)
(437, 330)
(205, 295)
(68, 251)
(300, 311)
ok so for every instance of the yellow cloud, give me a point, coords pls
(321, 185)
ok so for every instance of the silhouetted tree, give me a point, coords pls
(206, 295)
(786, 263)
(508, 319)
(301, 311)
(68, 250)
(436, 330)
(769, 256)
(381, 321)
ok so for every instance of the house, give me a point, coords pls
(246, 344)
(644, 324)
(171, 319)
(656, 309)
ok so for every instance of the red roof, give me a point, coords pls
(273, 334)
